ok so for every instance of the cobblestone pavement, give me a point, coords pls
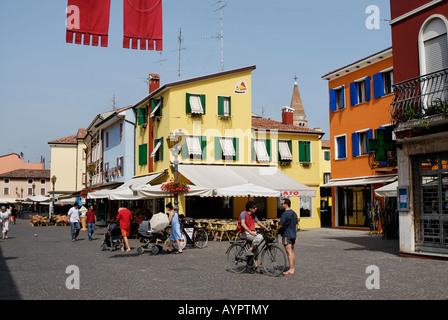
(331, 264)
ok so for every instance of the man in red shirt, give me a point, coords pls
(91, 222)
(124, 218)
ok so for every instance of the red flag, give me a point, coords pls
(143, 22)
(88, 19)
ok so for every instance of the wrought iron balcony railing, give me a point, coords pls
(419, 97)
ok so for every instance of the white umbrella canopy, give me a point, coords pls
(38, 198)
(389, 190)
(246, 190)
(159, 221)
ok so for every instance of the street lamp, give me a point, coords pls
(53, 181)
(91, 169)
(175, 142)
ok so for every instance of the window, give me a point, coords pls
(305, 204)
(84, 179)
(6, 191)
(360, 142)
(194, 147)
(226, 148)
(42, 181)
(157, 153)
(305, 151)
(337, 100)
(30, 191)
(156, 107)
(142, 115)
(261, 150)
(107, 139)
(434, 46)
(224, 106)
(327, 155)
(42, 191)
(6, 180)
(360, 91)
(143, 154)
(284, 150)
(195, 103)
(120, 166)
(382, 83)
(327, 177)
(341, 151)
(30, 181)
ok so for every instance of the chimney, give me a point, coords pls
(287, 115)
(154, 82)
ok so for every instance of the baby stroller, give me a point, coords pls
(112, 238)
(150, 237)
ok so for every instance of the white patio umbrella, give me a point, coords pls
(389, 190)
(159, 221)
(246, 190)
(38, 198)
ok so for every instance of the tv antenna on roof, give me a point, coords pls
(221, 35)
(180, 50)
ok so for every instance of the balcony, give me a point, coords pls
(418, 99)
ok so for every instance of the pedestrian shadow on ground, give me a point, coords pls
(370, 243)
(8, 287)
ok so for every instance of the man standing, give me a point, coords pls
(91, 221)
(73, 215)
(288, 226)
(246, 228)
(124, 218)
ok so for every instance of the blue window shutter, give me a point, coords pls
(333, 105)
(343, 97)
(378, 85)
(370, 136)
(341, 148)
(353, 94)
(355, 144)
(367, 83)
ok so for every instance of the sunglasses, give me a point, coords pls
(254, 207)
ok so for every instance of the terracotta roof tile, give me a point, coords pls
(325, 143)
(268, 124)
(71, 139)
(26, 173)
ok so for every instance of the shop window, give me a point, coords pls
(306, 207)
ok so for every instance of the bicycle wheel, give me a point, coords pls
(183, 242)
(273, 261)
(235, 261)
(200, 238)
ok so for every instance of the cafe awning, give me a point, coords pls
(389, 190)
(361, 181)
(223, 176)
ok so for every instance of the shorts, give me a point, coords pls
(125, 232)
(286, 241)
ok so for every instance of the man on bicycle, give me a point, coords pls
(246, 228)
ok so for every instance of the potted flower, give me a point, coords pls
(175, 186)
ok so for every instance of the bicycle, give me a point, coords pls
(191, 234)
(272, 258)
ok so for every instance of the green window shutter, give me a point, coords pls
(203, 102)
(184, 151)
(159, 155)
(268, 148)
(304, 151)
(141, 116)
(154, 103)
(204, 147)
(217, 148)
(143, 154)
(187, 106)
(236, 147)
(161, 148)
(220, 106)
(230, 106)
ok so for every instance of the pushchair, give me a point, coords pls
(112, 239)
(150, 237)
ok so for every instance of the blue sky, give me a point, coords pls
(49, 89)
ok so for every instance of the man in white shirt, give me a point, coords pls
(73, 215)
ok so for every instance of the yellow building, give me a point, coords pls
(225, 146)
(68, 163)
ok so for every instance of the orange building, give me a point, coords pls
(361, 139)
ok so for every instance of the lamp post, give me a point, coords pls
(175, 142)
(53, 181)
(91, 169)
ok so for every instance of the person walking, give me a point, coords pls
(91, 222)
(288, 226)
(175, 235)
(5, 218)
(124, 218)
(73, 215)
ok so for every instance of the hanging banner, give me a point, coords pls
(143, 23)
(88, 22)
